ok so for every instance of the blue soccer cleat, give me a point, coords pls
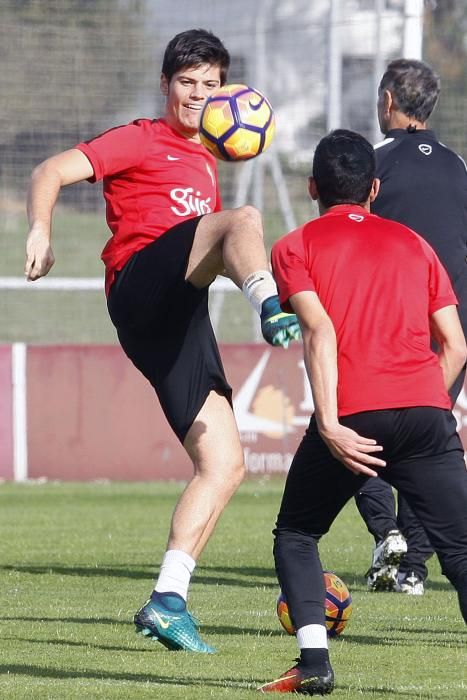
(175, 628)
(278, 327)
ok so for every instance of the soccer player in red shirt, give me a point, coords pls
(170, 239)
(368, 293)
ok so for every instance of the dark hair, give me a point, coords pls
(193, 48)
(414, 87)
(343, 168)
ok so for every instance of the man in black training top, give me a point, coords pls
(424, 186)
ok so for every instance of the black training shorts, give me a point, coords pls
(164, 327)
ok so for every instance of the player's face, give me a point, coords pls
(186, 94)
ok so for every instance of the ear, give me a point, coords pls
(374, 189)
(312, 189)
(164, 85)
(388, 102)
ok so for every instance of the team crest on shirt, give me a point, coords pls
(426, 149)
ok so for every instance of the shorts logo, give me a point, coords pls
(172, 158)
(426, 149)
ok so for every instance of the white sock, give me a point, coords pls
(175, 573)
(312, 637)
(259, 286)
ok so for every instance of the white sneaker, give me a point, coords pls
(411, 584)
(387, 554)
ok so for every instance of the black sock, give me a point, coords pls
(172, 601)
(316, 659)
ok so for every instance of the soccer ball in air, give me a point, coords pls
(237, 123)
(338, 606)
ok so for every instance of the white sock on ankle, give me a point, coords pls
(259, 286)
(312, 637)
(175, 573)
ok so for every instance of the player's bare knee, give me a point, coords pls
(231, 476)
(250, 219)
(239, 474)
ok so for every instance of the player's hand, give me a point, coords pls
(354, 451)
(39, 255)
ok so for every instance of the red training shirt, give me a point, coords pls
(379, 282)
(154, 178)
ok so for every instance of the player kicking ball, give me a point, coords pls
(170, 239)
(369, 293)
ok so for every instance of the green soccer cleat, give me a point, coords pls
(175, 629)
(278, 327)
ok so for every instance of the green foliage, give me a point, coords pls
(78, 559)
(70, 70)
(445, 48)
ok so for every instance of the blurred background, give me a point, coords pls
(73, 68)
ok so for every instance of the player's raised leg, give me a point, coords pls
(231, 243)
(213, 444)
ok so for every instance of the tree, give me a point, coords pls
(445, 49)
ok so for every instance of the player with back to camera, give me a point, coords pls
(169, 241)
(366, 339)
(424, 186)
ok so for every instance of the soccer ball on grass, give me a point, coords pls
(338, 606)
(237, 123)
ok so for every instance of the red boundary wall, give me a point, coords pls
(6, 413)
(91, 415)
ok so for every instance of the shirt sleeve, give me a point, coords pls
(289, 268)
(441, 291)
(115, 150)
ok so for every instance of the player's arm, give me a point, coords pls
(46, 181)
(320, 355)
(447, 331)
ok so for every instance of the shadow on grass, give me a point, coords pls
(392, 637)
(232, 683)
(206, 629)
(430, 638)
(246, 577)
(71, 620)
(243, 577)
(42, 672)
(377, 690)
(85, 645)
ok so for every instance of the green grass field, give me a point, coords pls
(78, 559)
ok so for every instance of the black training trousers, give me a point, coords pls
(424, 461)
(375, 502)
